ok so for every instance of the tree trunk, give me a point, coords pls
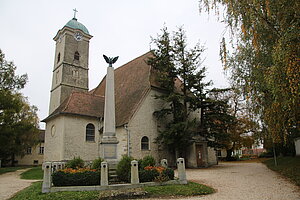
(12, 160)
(229, 152)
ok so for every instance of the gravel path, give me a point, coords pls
(233, 181)
(10, 183)
(243, 181)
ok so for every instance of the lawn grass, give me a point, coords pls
(4, 170)
(33, 192)
(191, 189)
(287, 166)
(35, 173)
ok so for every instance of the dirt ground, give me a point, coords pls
(10, 183)
(243, 181)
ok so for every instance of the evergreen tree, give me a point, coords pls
(181, 80)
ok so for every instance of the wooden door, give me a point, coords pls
(199, 155)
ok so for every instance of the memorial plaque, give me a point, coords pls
(110, 151)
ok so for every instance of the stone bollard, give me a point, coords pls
(47, 177)
(181, 171)
(54, 167)
(63, 165)
(134, 172)
(59, 165)
(104, 174)
(164, 163)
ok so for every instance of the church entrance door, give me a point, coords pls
(199, 155)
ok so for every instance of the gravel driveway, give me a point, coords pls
(10, 183)
(244, 181)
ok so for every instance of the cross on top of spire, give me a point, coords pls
(75, 11)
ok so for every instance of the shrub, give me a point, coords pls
(266, 155)
(97, 163)
(169, 173)
(147, 175)
(147, 161)
(123, 168)
(159, 174)
(231, 159)
(75, 163)
(79, 177)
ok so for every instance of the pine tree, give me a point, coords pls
(181, 79)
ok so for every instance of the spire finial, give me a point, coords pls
(75, 11)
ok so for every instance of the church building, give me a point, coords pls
(74, 126)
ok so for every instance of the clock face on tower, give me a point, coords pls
(78, 36)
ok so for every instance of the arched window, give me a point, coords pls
(76, 55)
(90, 132)
(145, 143)
(58, 57)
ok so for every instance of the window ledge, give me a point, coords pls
(90, 141)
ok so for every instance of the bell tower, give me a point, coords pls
(70, 72)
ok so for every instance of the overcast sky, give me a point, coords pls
(119, 28)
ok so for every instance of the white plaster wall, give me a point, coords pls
(75, 138)
(191, 156)
(212, 158)
(195, 115)
(122, 146)
(143, 124)
(297, 146)
(29, 159)
(54, 144)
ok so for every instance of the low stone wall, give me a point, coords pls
(112, 187)
(50, 167)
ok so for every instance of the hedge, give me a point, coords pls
(149, 174)
(80, 177)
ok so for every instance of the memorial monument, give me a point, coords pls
(109, 140)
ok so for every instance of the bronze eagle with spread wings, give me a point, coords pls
(111, 60)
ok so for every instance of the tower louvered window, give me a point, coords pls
(58, 57)
(76, 56)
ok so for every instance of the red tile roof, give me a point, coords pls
(131, 85)
(80, 103)
(132, 82)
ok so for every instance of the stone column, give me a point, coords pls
(109, 140)
(104, 174)
(47, 177)
(135, 172)
(164, 163)
(181, 171)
